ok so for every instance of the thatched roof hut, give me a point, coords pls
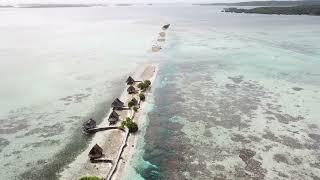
(130, 81)
(95, 152)
(135, 101)
(131, 90)
(113, 118)
(90, 124)
(156, 48)
(165, 26)
(161, 39)
(162, 34)
(117, 104)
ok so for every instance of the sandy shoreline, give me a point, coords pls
(111, 140)
(150, 73)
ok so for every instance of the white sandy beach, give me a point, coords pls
(111, 140)
(150, 73)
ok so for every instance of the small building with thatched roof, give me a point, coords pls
(165, 26)
(96, 152)
(90, 124)
(161, 39)
(162, 34)
(156, 48)
(130, 81)
(135, 101)
(113, 118)
(117, 104)
(131, 90)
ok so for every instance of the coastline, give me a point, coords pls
(111, 140)
(128, 153)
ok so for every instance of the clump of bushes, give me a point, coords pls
(130, 104)
(132, 126)
(142, 97)
(147, 82)
(144, 85)
(90, 178)
(135, 109)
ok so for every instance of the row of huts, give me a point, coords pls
(96, 153)
(161, 38)
(117, 105)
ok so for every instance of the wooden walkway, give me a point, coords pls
(94, 130)
(123, 146)
(115, 165)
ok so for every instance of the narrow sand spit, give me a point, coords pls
(150, 73)
(110, 140)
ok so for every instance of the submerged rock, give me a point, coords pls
(252, 165)
(297, 88)
(246, 154)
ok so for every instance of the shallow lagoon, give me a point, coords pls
(228, 84)
(236, 99)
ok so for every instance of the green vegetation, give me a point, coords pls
(130, 104)
(295, 10)
(266, 3)
(147, 82)
(132, 126)
(142, 97)
(144, 85)
(135, 109)
(90, 178)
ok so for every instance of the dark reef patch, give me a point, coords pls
(297, 88)
(3, 143)
(47, 131)
(297, 160)
(76, 98)
(291, 142)
(284, 118)
(236, 79)
(280, 158)
(267, 147)
(283, 175)
(239, 138)
(46, 142)
(313, 126)
(75, 117)
(189, 91)
(315, 165)
(13, 127)
(254, 138)
(315, 177)
(315, 137)
(285, 140)
(232, 86)
(207, 133)
(252, 165)
(219, 167)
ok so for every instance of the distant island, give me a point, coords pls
(294, 10)
(265, 3)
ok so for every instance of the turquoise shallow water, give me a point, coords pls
(229, 86)
(236, 98)
(58, 68)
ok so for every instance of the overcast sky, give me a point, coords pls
(114, 1)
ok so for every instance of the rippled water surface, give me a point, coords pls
(236, 96)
